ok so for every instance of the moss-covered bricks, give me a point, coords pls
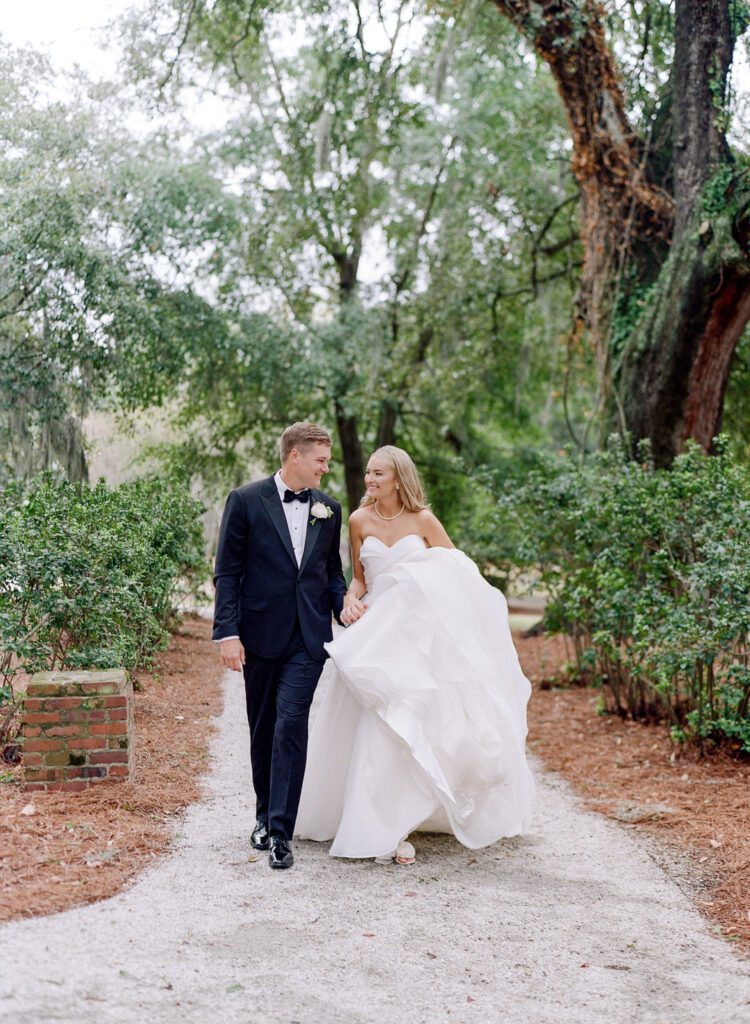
(77, 728)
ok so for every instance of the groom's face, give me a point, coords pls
(308, 465)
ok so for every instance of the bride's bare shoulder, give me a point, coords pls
(426, 517)
(432, 529)
(357, 520)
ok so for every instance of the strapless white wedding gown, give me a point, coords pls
(422, 721)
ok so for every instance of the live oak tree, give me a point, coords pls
(392, 234)
(665, 204)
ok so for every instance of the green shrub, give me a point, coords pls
(649, 572)
(89, 577)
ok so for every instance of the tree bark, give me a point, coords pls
(351, 449)
(608, 157)
(675, 371)
(703, 54)
(672, 375)
(347, 263)
(674, 381)
(386, 434)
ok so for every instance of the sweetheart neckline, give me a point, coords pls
(389, 546)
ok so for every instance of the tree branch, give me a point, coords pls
(401, 279)
(569, 37)
(172, 64)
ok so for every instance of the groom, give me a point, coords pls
(278, 579)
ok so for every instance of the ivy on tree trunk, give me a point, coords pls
(665, 289)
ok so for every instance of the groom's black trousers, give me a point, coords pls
(279, 692)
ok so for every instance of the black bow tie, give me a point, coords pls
(303, 496)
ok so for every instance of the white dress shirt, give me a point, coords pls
(297, 514)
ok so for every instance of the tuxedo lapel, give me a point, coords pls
(272, 503)
(314, 527)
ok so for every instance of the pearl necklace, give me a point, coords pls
(387, 518)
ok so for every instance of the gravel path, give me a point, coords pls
(573, 923)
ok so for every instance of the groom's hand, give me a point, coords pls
(232, 654)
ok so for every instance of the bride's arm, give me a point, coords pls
(353, 606)
(433, 530)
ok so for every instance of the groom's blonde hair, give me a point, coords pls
(410, 486)
(301, 436)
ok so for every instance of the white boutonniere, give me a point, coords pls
(320, 511)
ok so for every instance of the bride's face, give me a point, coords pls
(380, 478)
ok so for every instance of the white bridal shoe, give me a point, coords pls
(403, 854)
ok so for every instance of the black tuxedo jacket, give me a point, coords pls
(260, 590)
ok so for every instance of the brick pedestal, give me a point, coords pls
(77, 728)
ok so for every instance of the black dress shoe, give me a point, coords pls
(281, 855)
(259, 836)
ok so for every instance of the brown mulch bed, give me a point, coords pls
(637, 775)
(80, 847)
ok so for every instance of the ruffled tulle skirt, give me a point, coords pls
(421, 716)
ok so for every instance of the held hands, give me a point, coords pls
(353, 609)
(232, 654)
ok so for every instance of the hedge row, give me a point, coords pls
(89, 577)
(649, 572)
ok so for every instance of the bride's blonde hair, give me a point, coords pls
(410, 486)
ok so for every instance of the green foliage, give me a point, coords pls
(98, 234)
(397, 225)
(739, 17)
(649, 572)
(89, 578)
(630, 304)
(716, 192)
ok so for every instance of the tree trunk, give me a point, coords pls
(608, 158)
(687, 260)
(703, 54)
(347, 262)
(387, 422)
(675, 374)
(676, 368)
(351, 449)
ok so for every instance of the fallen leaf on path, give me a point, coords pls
(369, 935)
(237, 987)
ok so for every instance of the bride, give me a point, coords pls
(422, 722)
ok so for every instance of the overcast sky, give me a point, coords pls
(66, 29)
